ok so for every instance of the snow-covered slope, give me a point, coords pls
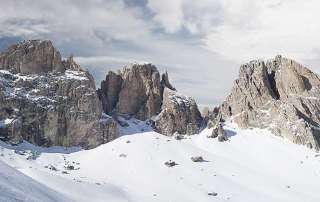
(252, 166)
(15, 186)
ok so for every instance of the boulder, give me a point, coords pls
(279, 94)
(197, 159)
(170, 163)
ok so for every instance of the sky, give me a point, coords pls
(201, 43)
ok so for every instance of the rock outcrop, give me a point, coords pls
(179, 114)
(32, 56)
(138, 91)
(279, 94)
(134, 91)
(46, 106)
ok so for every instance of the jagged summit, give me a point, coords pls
(34, 57)
(47, 101)
(139, 91)
(279, 94)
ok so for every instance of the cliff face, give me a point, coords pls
(47, 101)
(139, 91)
(179, 114)
(279, 94)
(33, 56)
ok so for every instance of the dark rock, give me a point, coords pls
(197, 159)
(222, 138)
(70, 167)
(170, 163)
(212, 194)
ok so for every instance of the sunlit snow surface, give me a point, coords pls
(252, 166)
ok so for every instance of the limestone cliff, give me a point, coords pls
(279, 94)
(47, 101)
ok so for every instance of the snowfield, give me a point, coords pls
(252, 166)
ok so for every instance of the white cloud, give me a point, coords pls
(208, 39)
(168, 13)
(262, 29)
(242, 30)
(71, 19)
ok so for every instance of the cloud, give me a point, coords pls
(195, 16)
(262, 29)
(199, 42)
(168, 13)
(242, 30)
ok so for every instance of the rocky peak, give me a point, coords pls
(138, 91)
(134, 91)
(279, 94)
(33, 56)
(179, 114)
(47, 101)
(71, 64)
(165, 81)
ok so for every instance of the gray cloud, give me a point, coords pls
(200, 43)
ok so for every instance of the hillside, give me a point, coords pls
(252, 166)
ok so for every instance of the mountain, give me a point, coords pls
(133, 138)
(281, 95)
(49, 101)
(139, 91)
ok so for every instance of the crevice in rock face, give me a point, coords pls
(306, 118)
(306, 83)
(273, 85)
(230, 110)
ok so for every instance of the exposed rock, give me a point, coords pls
(138, 91)
(217, 131)
(51, 107)
(279, 94)
(71, 64)
(170, 163)
(33, 56)
(197, 159)
(123, 155)
(70, 167)
(178, 136)
(55, 109)
(211, 123)
(165, 82)
(179, 114)
(135, 91)
(222, 138)
(109, 92)
(212, 194)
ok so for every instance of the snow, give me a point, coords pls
(14, 186)
(253, 165)
(5, 122)
(77, 75)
